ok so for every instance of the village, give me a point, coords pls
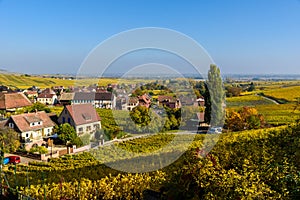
(79, 107)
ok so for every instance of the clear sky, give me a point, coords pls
(242, 36)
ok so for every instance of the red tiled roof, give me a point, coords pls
(162, 98)
(46, 95)
(83, 113)
(145, 99)
(23, 121)
(133, 100)
(31, 92)
(48, 91)
(13, 100)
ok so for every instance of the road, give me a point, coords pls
(24, 160)
(268, 99)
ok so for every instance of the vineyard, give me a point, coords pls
(288, 93)
(26, 81)
(256, 164)
(247, 100)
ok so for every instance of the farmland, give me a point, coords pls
(235, 168)
(247, 100)
(26, 81)
(288, 93)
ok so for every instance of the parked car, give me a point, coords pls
(215, 130)
(12, 160)
(6, 161)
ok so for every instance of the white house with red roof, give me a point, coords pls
(48, 97)
(32, 127)
(83, 117)
(13, 101)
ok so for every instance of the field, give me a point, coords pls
(247, 100)
(288, 93)
(279, 114)
(274, 114)
(255, 164)
(26, 81)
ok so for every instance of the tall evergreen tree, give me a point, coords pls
(214, 98)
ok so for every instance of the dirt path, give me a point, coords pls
(269, 99)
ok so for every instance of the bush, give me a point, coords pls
(39, 149)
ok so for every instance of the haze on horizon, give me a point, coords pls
(242, 37)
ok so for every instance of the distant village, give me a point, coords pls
(79, 108)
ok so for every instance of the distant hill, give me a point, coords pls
(24, 81)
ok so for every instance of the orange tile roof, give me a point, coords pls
(13, 100)
(46, 95)
(83, 113)
(23, 121)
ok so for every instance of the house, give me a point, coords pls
(4, 88)
(48, 97)
(132, 102)
(168, 101)
(66, 98)
(12, 101)
(32, 127)
(83, 98)
(31, 94)
(144, 100)
(188, 101)
(105, 100)
(83, 117)
(121, 103)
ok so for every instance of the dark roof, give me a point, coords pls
(103, 96)
(84, 96)
(83, 113)
(23, 121)
(13, 100)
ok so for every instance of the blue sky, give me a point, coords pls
(242, 36)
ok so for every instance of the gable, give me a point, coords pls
(82, 113)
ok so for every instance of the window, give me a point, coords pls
(63, 120)
(80, 130)
(69, 120)
(27, 135)
(96, 126)
(11, 125)
(88, 128)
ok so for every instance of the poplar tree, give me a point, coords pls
(214, 98)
